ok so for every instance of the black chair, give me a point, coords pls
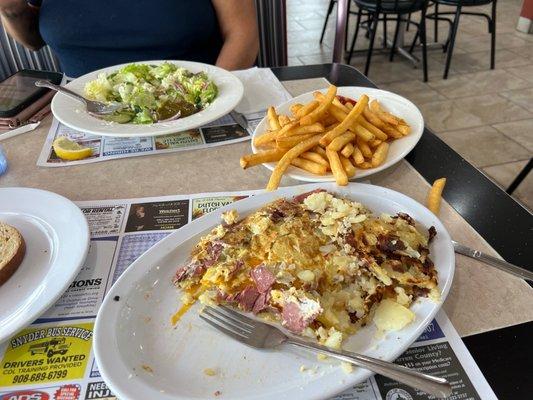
(350, 12)
(460, 4)
(399, 8)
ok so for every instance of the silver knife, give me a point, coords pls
(239, 119)
(493, 261)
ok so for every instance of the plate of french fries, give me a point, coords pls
(335, 134)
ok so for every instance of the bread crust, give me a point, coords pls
(12, 265)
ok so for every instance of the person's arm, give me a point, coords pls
(238, 24)
(21, 21)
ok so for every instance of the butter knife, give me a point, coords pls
(239, 119)
(493, 261)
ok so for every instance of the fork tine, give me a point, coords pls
(236, 326)
(234, 316)
(221, 328)
(238, 316)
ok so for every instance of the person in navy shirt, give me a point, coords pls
(89, 35)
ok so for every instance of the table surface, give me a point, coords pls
(500, 220)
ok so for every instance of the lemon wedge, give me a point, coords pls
(66, 149)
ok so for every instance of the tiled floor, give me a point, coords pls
(485, 115)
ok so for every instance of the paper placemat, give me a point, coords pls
(261, 87)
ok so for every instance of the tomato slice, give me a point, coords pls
(345, 100)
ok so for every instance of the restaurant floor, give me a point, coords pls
(485, 115)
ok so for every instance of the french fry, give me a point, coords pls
(380, 154)
(309, 166)
(357, 156)
(307, 108)
(329, 120)
(287, 158)
(363, 133)
(295, 108)
(250, 160)
(315, 157)
(376, 121)
(365, 165)
(347, 150)
(265, 138)
(336, 167)
(321, 151)
(319, 112)
(336, 110)
(337, 113)
(332, 126)
(435, 195)
(404, 129)
(374, 143)
(348, 167)
(285, 131)
(365, 149)
(340, 141)
(349, 106)
(317, 127)
(372, 128)
(273, 119)
(283, 120)
(337, 102)
(385, 116)
(290, 141)
(347, 122)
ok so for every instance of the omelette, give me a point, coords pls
(320, 265)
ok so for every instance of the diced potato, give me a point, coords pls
(391, 316)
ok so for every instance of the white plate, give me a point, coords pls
(57, 240)
(394, 103)
(141, 356)
(72, 113)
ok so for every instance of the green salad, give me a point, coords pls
(152, 93)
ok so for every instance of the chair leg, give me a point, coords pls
(359, 14)
(452, 41)
(436, 26)
(413, 44)
(493, 36)
(372, 37)
(385, 31)
(408, 23)
(520, 177)
(423, 40)
(348, 14)
(330, 9)
(395, 40)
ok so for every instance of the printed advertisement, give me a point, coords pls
(52, 359)
(47, 354)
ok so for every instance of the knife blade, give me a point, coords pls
(493, 261)
(239, 119)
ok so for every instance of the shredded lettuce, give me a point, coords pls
(148, 90)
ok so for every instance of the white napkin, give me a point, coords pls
(261, 90)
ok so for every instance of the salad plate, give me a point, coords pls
(222, 98)
(140, 354)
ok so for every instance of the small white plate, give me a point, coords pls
(394, 103)
(72, 113)
(56, 234)
(141, 356)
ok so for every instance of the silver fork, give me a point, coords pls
(264, 336)
(93, 107)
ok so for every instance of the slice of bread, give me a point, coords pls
(12, 250)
